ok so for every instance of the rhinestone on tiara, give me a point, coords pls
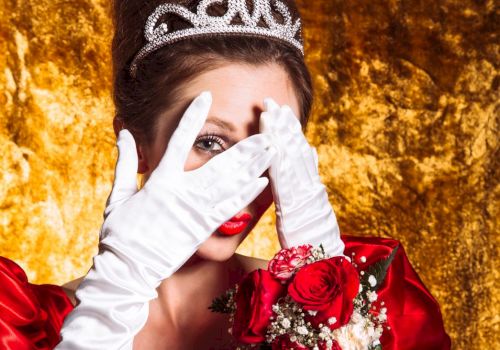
(158, 36)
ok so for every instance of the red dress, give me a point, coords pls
(31, 315)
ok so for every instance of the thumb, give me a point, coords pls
(125, 181)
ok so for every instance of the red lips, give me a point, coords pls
(235, 225)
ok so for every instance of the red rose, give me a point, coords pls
(284, 343)
(256, 294)
(327, 286)
(287, 261)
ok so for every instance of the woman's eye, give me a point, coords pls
(210, 144)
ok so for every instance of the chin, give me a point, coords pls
(219, 248)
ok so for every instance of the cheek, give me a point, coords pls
(218, 248)
(260, 204)
(196, 160)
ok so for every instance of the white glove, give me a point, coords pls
(148, 234)
(303, 211)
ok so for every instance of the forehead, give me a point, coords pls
(250, 79)
(238, 91)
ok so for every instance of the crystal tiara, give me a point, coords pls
(158, 35)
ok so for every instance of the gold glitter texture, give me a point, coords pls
(405, 122)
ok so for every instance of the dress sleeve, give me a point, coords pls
(31, 315)
(413, 315)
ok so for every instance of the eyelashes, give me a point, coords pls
(212, 138)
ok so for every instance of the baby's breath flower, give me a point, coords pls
(302, 330)
(372, 296)
(372, 280)
(332, 320)
(285, 323)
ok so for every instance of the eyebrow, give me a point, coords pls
(221, 123)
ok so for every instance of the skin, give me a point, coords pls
(179, 318)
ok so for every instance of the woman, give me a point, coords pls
(202, 117)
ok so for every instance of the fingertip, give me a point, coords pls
(270, 104)
(266, 103)
(125, 139)
(262, 182)
(125, 134)
(121, 134)
(206, 96)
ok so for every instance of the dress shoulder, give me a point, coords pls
(413, 314)
(31, 315)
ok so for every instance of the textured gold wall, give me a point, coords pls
(405, 122)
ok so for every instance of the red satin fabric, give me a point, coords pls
(413, 314)
(31, 315)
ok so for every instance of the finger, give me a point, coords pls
(234, 158)
(294, 167)
(286, 184)
(266, 122)
(270, 105)
(125, 181)
(256, 166)
(301, 159)
(185, 134)
(229, 207)
(289, 122)
(272, 124)
(304, 156)
(293, 122)
(268, 116)
(281, 123)
(226, 186)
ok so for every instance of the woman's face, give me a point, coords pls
(238, 92)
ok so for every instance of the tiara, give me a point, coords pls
(158, 35)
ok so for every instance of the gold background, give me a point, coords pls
(405, 123)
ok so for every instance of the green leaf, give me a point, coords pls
(224, 303)
(322, 248)
(378, 270)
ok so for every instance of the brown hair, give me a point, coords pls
(162, 74)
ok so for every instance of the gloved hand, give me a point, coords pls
(303, 211)
(148, 234)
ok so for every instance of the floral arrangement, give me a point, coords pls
(307, 300)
